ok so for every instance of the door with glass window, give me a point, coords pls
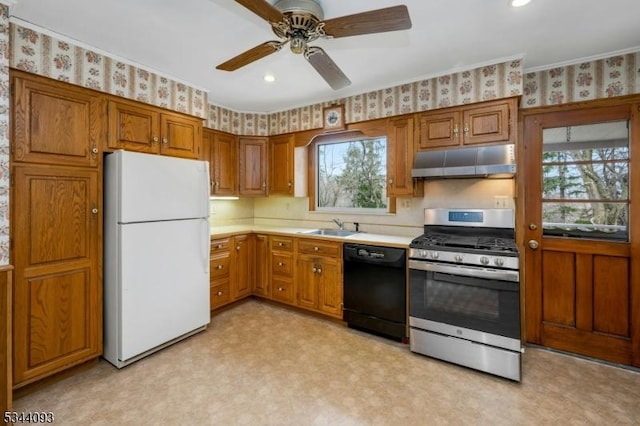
(579, 288)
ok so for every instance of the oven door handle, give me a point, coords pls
(467, 271)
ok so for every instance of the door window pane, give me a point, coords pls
(585, 187)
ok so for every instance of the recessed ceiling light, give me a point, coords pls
(269, 78)
(518, 3)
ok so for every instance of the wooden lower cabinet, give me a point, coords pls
(261, 279)
(319, 277)
(242, 266)
(57, 298)
(282, 263)
(219, 272)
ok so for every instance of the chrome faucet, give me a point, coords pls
(339, 223)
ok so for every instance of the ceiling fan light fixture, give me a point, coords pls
(298, 44)
(518, 3)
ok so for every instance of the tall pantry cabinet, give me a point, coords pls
(56, 231)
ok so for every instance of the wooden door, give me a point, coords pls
(253, 166)
(281, 167)
(438, 130)
(55, 123)
(582, 289)
(261, 279)
(225, 164)
(58, 295)
(181, 136)
(307, 282)
(488, 123)
(134, 127)
(400, 159)
(330, 287)
(243, 264)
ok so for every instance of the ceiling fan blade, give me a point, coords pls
(326, 68)
(374, 21)
(250, 55)
(263, 9)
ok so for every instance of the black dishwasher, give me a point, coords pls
(375, 294)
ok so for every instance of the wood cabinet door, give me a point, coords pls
(261, 279)
(400, 158)
(281, 169)
(58, 294)
(307, 282)
(219, 293)
(487, 123)
(330, 287)
(56, 123)
(283, 289)
(225, 164)
(207, 154)
(253, 166)
(134, 127)
(180, 136)
(438, 130)
(243, 266)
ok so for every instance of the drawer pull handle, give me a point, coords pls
(280, 244)
(316, 249)
(280, 263)
(219, 267)
(220, 293)
(219, 246)
(280, 289)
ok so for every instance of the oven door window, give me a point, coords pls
(479, 304)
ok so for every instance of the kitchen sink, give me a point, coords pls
(331, 232)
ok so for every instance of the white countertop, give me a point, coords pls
(359, 237)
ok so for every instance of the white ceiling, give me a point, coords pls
(186, 39)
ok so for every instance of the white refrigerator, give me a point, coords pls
(156, 257)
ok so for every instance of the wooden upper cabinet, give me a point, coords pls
(55, 122)
(253, 166)
(135, 126)
(486, 122)
(181, 135)
(281, 168)
(225, 164)
(400, 159)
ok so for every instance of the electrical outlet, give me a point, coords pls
(500, 201)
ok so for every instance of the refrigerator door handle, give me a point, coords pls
(207, 188)
(206, 239)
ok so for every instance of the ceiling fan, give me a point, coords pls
(300, 22)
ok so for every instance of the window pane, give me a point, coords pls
(586, 220)
(588, 163)
(352, 175)
(591, 181)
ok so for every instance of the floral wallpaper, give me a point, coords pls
(614, 76)
(4, 134)
(42, 54)
(480, 84)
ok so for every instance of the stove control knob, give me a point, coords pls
(424, 254)
(498, 261)
(458, 258)
(484, 260)
(435, 254)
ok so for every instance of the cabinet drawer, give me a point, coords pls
(219, 265)
(219, 245)
(282, 263)
(219, 294)
(282, 243)
(282, 290)
(325, 248)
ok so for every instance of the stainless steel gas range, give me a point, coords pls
(464, 295)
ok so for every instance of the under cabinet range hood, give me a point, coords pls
(486, 161)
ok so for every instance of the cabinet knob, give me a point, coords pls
(391, 181)
(165, 141)
(219, 267)
(455, 131)
(319, 270)
(280, 263)
(316, 248)
(94, 150)
(466, 129)
(264, 184)
(219, 246)
(237, 248)
(154, 140)
(280, 289)
(289, 184)
(280, 244)
(314, 270)
(220, 293)
(533, 244)
(94, 210)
